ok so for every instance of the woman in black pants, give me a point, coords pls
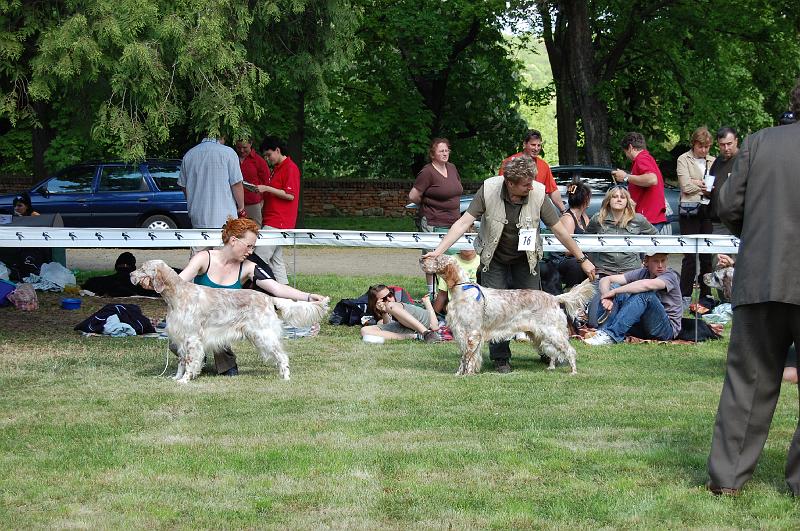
(694, 215)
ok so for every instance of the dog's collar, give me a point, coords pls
(469, 285)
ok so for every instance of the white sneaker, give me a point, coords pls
(378, 340)
(600, 338)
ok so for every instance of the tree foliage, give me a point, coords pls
(359, 87)
(428, 68)
(664, 67)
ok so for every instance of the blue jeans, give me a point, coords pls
(641, 315)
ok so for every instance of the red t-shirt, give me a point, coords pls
(255, 171)
(277, 212)
(543, 173)
(650, 200)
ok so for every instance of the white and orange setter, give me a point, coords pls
(203, 320)
(476, 314)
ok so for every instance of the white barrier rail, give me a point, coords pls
(72, 238)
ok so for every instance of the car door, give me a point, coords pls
(170, 197)
(121, 197)
(69, 193)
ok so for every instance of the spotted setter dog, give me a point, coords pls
(204, 320)
(476, 314)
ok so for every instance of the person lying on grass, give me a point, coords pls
(399, 320)
(644, 303)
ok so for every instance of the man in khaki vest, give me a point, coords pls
(507, 204)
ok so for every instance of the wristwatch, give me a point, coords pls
(582, 259)
(625, 178)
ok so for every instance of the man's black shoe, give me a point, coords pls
(503, 367)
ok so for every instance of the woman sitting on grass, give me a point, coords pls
(399, 320)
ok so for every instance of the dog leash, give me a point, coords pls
(166, 362)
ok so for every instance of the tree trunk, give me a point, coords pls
(554, 34)
(295, 146)
(40, 139)
(593, 113)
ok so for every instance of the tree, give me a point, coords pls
(135, 69)
(423, 72)
(663, 67)
(300, 44)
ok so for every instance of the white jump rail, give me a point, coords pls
(76, 238)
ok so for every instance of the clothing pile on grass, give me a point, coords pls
(118, 320)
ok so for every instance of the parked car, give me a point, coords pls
(112, 194)
(599, 179)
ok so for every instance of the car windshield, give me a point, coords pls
(597, 179)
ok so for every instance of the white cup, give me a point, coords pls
(709, 180)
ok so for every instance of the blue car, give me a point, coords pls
(112, 194)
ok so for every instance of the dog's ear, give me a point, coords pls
(158, 280)
(450, 275)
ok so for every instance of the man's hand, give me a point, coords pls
(607, 301)
(431, 254)
(619, 175)
(723, 260)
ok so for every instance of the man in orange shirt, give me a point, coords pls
(532, 146)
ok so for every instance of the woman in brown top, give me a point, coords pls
(437, 190)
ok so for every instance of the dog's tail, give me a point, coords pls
(300, 313)
(577, 298)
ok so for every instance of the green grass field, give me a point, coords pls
(365, 436)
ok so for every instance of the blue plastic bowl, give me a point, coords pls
(71, 304)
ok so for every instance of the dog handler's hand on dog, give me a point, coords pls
(563, 235)
(456, 231)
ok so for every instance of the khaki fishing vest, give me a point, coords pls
(494, 218)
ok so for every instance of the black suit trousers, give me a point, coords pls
(759, 343)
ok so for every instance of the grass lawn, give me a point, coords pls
(364, 436)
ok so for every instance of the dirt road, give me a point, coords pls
(305, 260)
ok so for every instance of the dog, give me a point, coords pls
(204, 320)
(476, 314)
(722, 279)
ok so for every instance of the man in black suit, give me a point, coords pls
(760, 203)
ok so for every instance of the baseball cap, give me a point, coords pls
(653, 253)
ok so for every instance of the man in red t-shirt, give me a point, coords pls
(255, 172)
(281, 198)
(645, 182)
(532, 146)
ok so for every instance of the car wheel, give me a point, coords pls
(159, 222)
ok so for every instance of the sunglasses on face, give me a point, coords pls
(387, 297)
